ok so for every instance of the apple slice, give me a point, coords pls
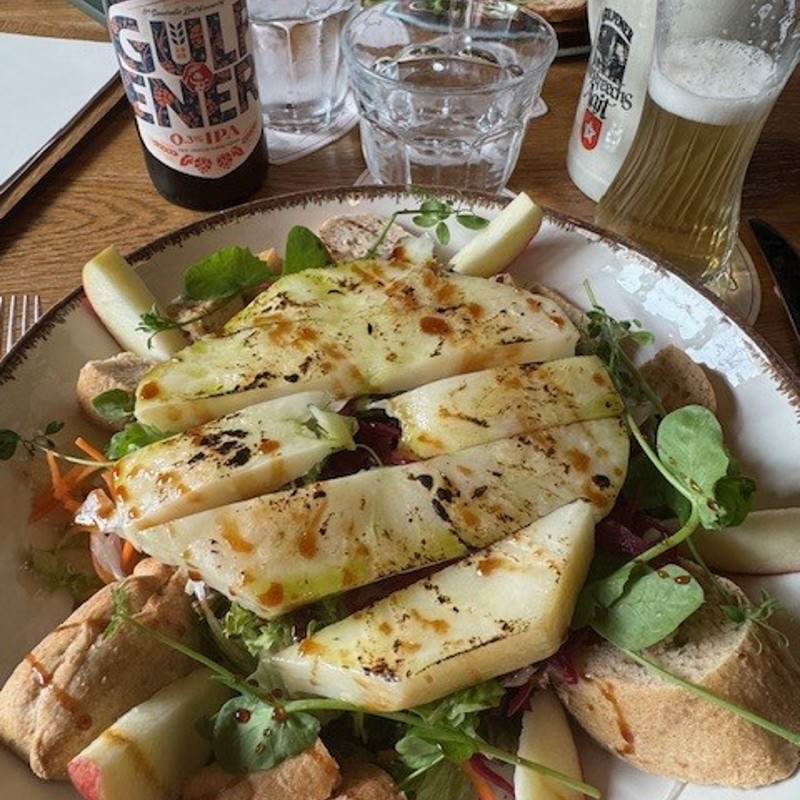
(546, 738)
(149, 752)
(119, 297)
(766, 543)
(501, 241)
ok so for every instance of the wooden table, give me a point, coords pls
(101, 194)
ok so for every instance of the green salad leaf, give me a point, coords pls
(225, 273)
(652, 606)
(133, 436)
(690, 445)
(251, 735)
(115, 405)
(255, 634)
(304, 250)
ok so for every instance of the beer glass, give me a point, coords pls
(718, 67)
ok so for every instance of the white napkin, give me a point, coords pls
(47, 84)
(285, 147)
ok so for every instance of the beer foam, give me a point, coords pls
(713, 81)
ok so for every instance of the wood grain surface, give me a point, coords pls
(101, 194)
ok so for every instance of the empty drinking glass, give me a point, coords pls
(301, 76)
(445, 91)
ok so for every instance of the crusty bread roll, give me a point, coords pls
(75, 683)
(558, 10)
(666, 730)
(678, 380)
(122, 371)
(348, 238)
(311, 775)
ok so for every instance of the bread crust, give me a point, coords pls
(75, 683)
(666, 730)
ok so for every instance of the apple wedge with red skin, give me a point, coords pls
(766, 543)
(494, 248)
(149, 752)
(546, 738)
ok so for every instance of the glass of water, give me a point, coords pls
(301, 75)
(445, 90)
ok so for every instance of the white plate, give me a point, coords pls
(759, 405)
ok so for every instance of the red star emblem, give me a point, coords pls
(590, 130)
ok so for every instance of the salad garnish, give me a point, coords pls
(431, 213)
(264, 726)
(40, 440)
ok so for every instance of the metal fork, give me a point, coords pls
(17, 313)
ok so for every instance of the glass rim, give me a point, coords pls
(531, 75)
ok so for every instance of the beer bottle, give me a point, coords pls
(189, 76)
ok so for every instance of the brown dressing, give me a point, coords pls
(624, 729)
(45, 679)
(149, 390)
(273, 596)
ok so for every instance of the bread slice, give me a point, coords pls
(76, 683)
(122, 371)
(678, 380)
(665, 729)
(349, 238)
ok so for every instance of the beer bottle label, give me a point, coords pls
(189, 75)
(605, 88)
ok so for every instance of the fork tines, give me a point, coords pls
(17, 312)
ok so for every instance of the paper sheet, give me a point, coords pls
(46, 84)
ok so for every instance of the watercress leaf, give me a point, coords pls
(650, 490)
(224, 273)
(114, 405)
(425, 220)
(651, 608)
(304, 250)
(418, 753)
(443, 233)
(436, 207)
(444, 779)
(54, 426)
(472, 221)
(596, 597)
(8, 443)
(690, 446)
(132, 437)
(735, 495)
(251, 735)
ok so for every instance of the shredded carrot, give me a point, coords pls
(59, 493)
(89, 449)
(130, 557)
(482, 787)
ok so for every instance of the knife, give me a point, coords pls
(784, 263)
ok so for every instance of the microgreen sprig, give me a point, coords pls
(11, 440)
(276, 727)
(431, 213)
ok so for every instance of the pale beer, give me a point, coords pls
(678, 190)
